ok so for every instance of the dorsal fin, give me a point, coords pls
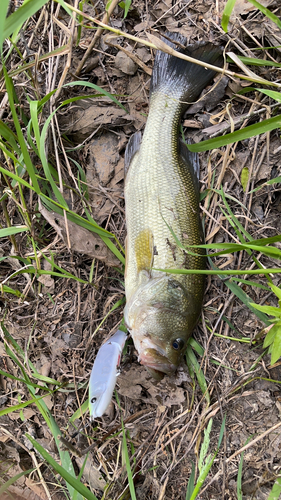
(131, 149)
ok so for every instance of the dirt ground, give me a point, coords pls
(61, 323)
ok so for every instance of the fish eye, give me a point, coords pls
(178, 344)
(93, 400)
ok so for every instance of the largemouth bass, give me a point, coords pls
(162, 206)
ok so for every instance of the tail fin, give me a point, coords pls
(180, 77)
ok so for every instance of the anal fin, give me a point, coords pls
(191, 160)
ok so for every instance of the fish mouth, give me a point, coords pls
(156, 363)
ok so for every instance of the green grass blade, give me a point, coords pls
(251, 283)
(11, 481)
(196, 346)
(202, 477)
(270, 251)
(239, 478)
(30, 140)
(276, 180)
(65, 7)
(238, 135)
(205, 445)
(81, 98)
(275, 493)
(79, 413)
(241, 295)
(227, 13)
(82, 180)
(127, 462)
(45, 164)
(208, 464)
(16, 177)
(266, 12)
(253, 61)
(12, 377)
(34, 120)
(7, 231)
(16, 20)
(9, 136)
(24, 150)
(272, 311)
(38, 400)
(271, 93)
(190, 486)
(73, 481)
(98, 89)
(239, 475)
(234, 219)
(276, 290)
(73, 217)
(4, 9)
(113, 249)
(199, 373)
(41, 272)
(199, 349)
(14, 408)
(229, 7)
(8, 289)
(222, 431)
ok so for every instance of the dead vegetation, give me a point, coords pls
(76, 301)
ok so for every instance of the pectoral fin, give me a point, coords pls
(144, 250)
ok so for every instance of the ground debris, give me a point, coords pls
(59, 324)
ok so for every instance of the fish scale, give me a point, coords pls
(157, 161)
(162, 206)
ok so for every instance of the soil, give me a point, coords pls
(61, 323)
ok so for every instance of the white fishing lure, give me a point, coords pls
(104, 373)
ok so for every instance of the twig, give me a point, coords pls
(42, 480)
(132, 56)
(163, 489)
(220, 128)
(103, 190)
(156, 43)
(238, 452)
(69, 55)
(98, 33)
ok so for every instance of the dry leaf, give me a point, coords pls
(87, 116)
(47, 280)
(81, 240)
(137, 384)
(244, 7)
(91, 474)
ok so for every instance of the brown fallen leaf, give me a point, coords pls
(87, 116)
(244, 7)
(104, 170)
(91, 474)
(137, 384)
(37, 489)
(47, 281)
(81, 240)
